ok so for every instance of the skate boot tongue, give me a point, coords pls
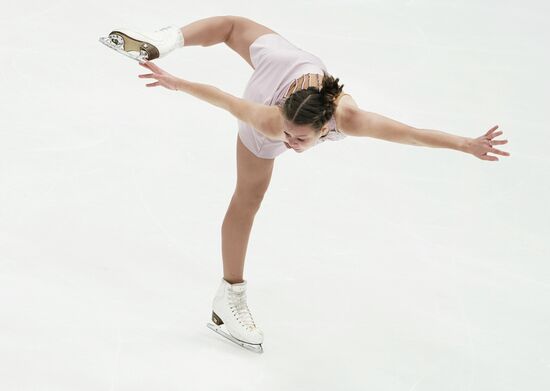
(239, 287)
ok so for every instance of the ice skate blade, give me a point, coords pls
(133, 55)
(253, 348)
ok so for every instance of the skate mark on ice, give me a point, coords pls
(467, 322)
(419, 381)
(117, 359)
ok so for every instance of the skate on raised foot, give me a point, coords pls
(229, 308)
(143, 46)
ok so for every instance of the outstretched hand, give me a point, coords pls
(163, 78)
(481, 146)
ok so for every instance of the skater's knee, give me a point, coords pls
(249, 201)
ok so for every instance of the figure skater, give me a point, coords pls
(290, 102)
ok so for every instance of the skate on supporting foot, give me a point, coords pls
(143, 46)
(229, 309)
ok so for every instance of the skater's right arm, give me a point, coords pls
(261, 117)
(265, 119)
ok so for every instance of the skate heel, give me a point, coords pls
(216, 319)
(134, 45)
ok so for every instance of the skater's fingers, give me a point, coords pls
(499, 152)
(150, 65)
(153, 66)
(153, 84)
(487, 157)
(491, 130)
(152, 75)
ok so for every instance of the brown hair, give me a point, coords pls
(312, 106)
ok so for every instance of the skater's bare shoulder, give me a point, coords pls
(264, 118)
(274, 123)
(345, 106)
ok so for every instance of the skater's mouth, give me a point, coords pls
(289, 147)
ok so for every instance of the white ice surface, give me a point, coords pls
(371, 265)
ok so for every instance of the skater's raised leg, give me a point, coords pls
(236, 31)
(149, 45)
(253, 177)
(208, 31)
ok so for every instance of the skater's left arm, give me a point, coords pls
(361, 123)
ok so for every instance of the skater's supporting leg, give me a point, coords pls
(236, 228)
(253, 177)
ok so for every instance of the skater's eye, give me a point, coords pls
(300, 139)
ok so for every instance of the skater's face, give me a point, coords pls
(301, 137)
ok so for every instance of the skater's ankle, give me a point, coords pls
(233, 280)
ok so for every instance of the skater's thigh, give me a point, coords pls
(243, 34)
(253, 174)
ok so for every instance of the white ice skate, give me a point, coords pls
(229, 307)
(146, 45)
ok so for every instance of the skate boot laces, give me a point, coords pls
(237, 303)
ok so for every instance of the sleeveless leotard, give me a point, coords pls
(277, 64)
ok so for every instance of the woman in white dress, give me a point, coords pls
(291, 102)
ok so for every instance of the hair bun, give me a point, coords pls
(329, 91)
(313, 106)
